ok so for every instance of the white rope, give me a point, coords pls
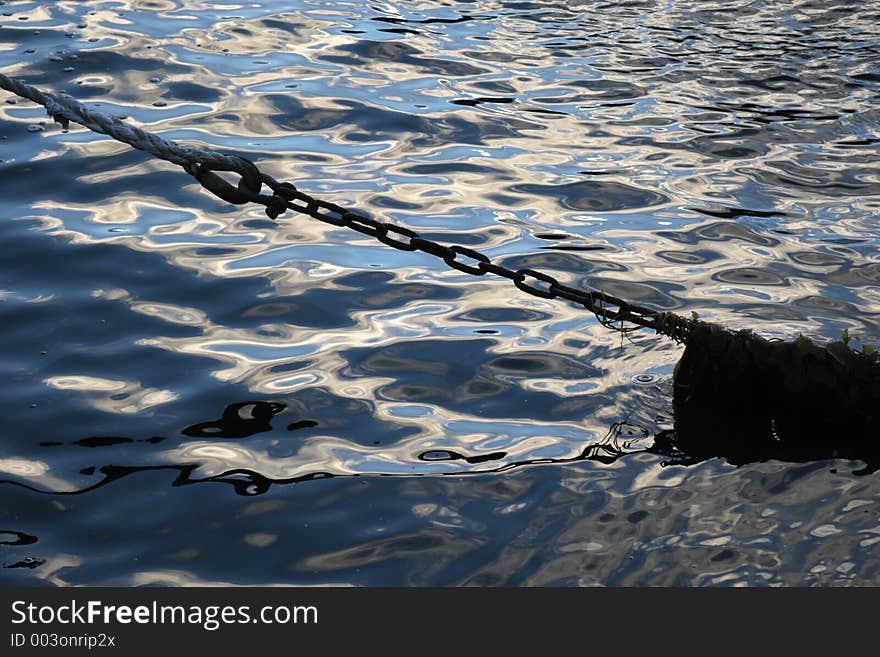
(64, 108)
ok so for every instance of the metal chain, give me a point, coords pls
(612, 312)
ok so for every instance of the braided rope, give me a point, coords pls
(63, 108)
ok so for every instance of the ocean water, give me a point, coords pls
(194, 394)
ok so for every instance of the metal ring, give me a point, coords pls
(477, 270)
(398, 244)
(363, 224)
(248, 189)
(534, 291)
(431, 248)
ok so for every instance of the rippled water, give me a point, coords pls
(194, 394)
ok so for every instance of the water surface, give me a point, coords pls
(193, 394)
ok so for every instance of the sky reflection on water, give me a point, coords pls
(709, 157)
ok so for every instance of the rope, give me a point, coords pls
(612, 312)
(198, 162)
(63, 108)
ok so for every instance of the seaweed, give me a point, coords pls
(745, 398)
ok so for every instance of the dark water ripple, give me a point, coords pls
(193, 394)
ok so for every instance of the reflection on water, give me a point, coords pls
(440, 428)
